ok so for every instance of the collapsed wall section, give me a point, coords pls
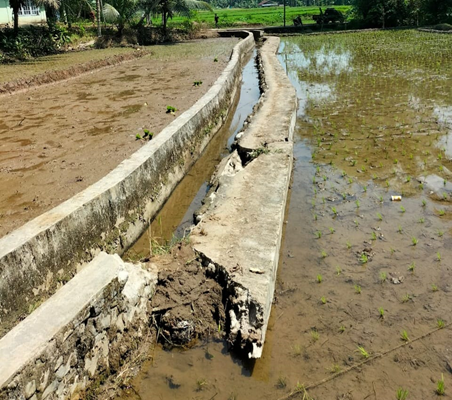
(241, 225)
(111, 214)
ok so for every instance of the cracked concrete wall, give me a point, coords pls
(241, 225)
(82, 333)
(111, 214)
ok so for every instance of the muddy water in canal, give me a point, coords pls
(363, 299)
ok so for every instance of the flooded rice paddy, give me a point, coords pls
(364, 293)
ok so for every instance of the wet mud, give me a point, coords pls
(363, 297)
(57, 140)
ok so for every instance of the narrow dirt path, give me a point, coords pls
(57, 140)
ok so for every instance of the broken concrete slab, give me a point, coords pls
(240, 230)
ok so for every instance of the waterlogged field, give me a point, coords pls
(364, 292)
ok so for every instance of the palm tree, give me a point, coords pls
(170, 7)
(16, 5)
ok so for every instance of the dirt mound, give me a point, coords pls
(57, 76)
(187, 305)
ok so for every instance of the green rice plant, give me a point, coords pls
(342, 329)
(441, 212)
(215, 59)
(383, 276)
(318, 234)
(440, 324)
(381, 199)
(170, 109)
(323, 254)
(315, 217)
(315, 335)
(381, 311)
(357, 203)
(138, 136)
(401, 394)
(333, 209)
(332, 230)
(421, 186)
(380, 217)
(406, 298)
(399, 229)
(421, 220)
(424, 203)
(356, 222)
(323, 300)
(440, 387)
(387, 184)
(349, 245)
(197, 83)
(414, 241)
(338, 270)
(434, 288)
(444, 196)
(313, 180)
(373, 236)
(438, 256)
(319, 278)
(365, 189)
(363, 352)
(201, 384)
(357, 289)
(411, 267)
(404, 336)
(335, 368)
(408, 179)
(344, 196)
(364, 259)
(281, 383)
(402, 209)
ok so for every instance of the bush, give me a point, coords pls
(31, 41)
(443, 27)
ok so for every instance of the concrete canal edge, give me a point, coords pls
(89, 326)
(240, 229)
(111, 214)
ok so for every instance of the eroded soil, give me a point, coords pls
(59, 139)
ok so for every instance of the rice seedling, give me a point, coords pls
(319, 278)
(357, 289)
(401, 394)
(201, 384)
(363, 352)
(381, 311)
(440, 324)
(440, 387)
(323, 300)
(281, 383)
(434, 288)
(342, 329)
(414, 241)
(399, 229)
(402, 209)
(421, 220)
(411, 267)
(323, 254)
(441, 213)
(364, 259)
(315, 335)
(406, 298)
(318, 234)
(332, 230)
(404, 336)
(349, 245)
(338, 270)
(333, 209)
(380, 217)
(438, 256)
(335, 368)
(383, 277)
(424, 203)
(373, 236)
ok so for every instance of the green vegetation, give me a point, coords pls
(440, 387)
(401, 394)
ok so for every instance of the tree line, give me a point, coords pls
(390, 13)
